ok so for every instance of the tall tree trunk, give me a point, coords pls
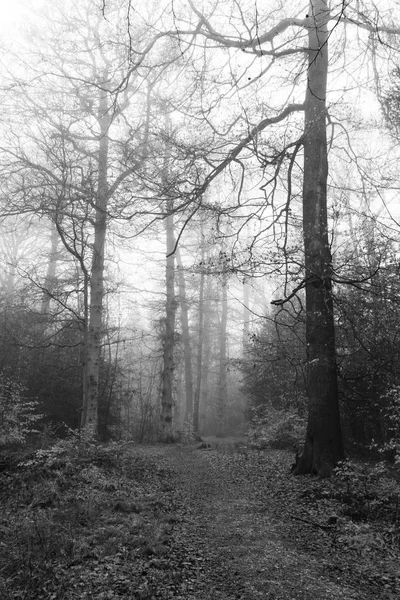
(89, 420)
(166, 432)
(186, 340)
(246, 313)
(222, 384)
(207, 352)
(323, 445)
(11, 250)
(199, 360)
(50, 279)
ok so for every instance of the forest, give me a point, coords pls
(199, 300)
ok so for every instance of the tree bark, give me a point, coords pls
(51, 271)
(323, 445)
(222, 387)
(207, 406)
(186, 341)
(246, 313)
(89, 420)
(199, 360)
(166, 431)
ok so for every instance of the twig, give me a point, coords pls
(328, 527)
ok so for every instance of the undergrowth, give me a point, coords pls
(349, 522)
(85, 520)
(73, 512)
(276, 429)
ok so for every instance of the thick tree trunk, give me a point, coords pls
(166, 430)
(186, 341)
(323, 446)
(222, 388)
(89, 420)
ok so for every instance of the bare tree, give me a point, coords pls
(223, 364)
(166, 433)
(51, 272)
(79, 158)
(186, 340)
(200, 339)
(323, 446)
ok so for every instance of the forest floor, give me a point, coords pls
(182, 523)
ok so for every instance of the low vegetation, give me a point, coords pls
(86, 520)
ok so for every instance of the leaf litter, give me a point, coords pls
(175, 522)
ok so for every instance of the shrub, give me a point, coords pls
(389, 446)
(369, 491)
(18, 414)
(276, 429)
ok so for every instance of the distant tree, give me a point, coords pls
(50, 279)
(200, 339)
(303, 44)
(166, 432)
(79, 159)
(323, 446)
(223, 358)
(186, 340)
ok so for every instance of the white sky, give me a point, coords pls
(12, 13)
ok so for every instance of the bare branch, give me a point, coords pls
(233, 154)
(283, 301)
(371, 27)
(268, 36)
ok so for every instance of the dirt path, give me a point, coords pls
(234, 544)
(179, 523)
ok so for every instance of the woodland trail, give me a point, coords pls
(238, 541)
(175, 522)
